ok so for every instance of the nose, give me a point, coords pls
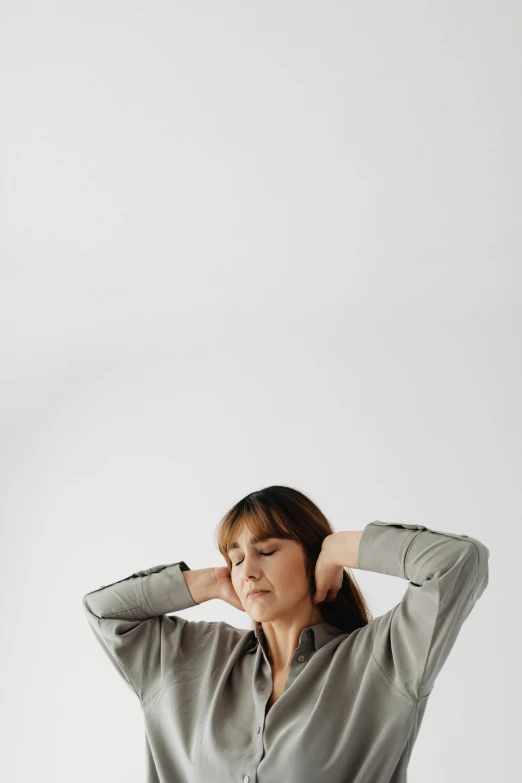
(251, 572)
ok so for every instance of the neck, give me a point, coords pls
(281, 644)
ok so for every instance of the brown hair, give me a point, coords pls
(283, 512)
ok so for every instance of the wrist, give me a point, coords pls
(201, 584)
(342, 547)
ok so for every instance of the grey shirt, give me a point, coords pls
(353, 702)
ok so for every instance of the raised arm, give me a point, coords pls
(447, 574)
(129, 620)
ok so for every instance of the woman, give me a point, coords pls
(317, 690)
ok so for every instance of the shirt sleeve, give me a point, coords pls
(447, 574)
(129, 619)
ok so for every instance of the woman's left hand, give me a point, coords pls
(328, 576)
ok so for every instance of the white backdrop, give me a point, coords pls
(248, 244)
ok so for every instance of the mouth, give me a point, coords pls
(255, 593)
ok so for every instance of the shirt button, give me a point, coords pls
(301, 658)
(246, 779)
(309, 634)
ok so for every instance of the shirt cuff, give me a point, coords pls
(165, 591)
(383, 547)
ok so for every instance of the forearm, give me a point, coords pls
(201, 584)
(343, 547)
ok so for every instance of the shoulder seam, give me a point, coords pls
(405, 695)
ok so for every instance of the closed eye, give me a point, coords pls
(264, 554)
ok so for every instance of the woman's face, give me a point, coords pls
(276, 565)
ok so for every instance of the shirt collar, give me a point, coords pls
(321, 633)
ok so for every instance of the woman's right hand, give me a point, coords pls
(225, 589)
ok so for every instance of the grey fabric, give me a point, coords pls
(353, 702)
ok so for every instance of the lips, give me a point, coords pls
(253, 593)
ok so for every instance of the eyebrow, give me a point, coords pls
(253, 540)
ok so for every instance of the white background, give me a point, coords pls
(242, 244)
